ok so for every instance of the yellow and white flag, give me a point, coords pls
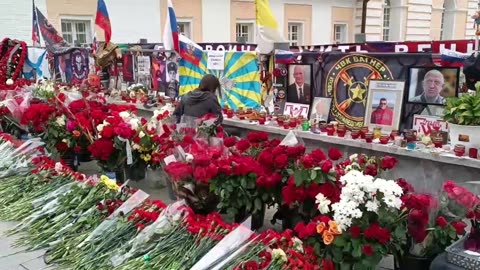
(267, 26)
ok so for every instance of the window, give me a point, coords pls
(244, 32)
(295, 34)
(340, 33)
(185, 28)
(386, 20)
(77, 31)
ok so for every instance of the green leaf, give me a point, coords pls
(258, 204)
(357, 248)
(222, 193)
(348, 248)
(298, 178)
(243, 182)
(340, 241)
(313, 174)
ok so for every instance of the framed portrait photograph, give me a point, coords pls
(320, 109)
(432, 85)
(384, 104)
(296, 109)
(299, 89)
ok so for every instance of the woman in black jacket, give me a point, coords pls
(201, 101)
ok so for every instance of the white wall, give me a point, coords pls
(215, 21)
(16, 19)
(133, 20)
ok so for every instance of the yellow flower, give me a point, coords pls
(109, 183)
(334, 228)
(327, 237)
(146, 157)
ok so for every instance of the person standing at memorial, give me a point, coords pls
(200, 102)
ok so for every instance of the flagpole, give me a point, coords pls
(38, 43)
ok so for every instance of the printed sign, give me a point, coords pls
(425, 124)
(143, 65)
(216, 60)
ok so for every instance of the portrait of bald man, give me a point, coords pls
(299, 90)
(432, 85)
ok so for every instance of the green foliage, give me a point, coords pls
(464, 110)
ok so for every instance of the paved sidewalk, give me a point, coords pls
(12, 258)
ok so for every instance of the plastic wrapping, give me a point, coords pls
(292, 139)
(142, 240)
(227, 249)
(135, 200)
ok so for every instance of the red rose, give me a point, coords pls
(367, 250)
(406, 187)
(256, 137)
(281, 161)
(308, 162)
(305, 230)
(334, 154)
(448, 186)
(388, 162)
(459, 227)
(265, 158)
(417, 222)
(355, 231)
(327, 265)
(441, 221)
(470, 215)
(318, 155)
(327, 165)
(330, 191)
(229, 141)
(61, 147)
(371, 170)
(201, 160)
(243, 145)
(250, 265)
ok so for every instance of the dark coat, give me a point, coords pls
(292, 95)
(197, 104)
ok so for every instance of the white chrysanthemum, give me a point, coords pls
(134, 123)
(372, 206)
(323, 203)
(279, 255)
(141, 134)
(393, 201)
(125, 115)
(297, 244)
(61, 120)
(135, 146)
(353, 157)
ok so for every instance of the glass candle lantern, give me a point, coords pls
(394, 134)
(459, 150)
(363, 132)
(369, 137)
(384, 138)
(355, 134)
(377, 132)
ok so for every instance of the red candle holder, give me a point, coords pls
(323, 127)
(473, 153)
(286, 125)
(230, 115)
(363, 132)
(330, 131)
(341, 132)
(369, 137)
(459, 150)
(438, 142)
(384, 139)
(355, 134)
(261, 121)
(241, 116)
(293, 123)
(393, 134)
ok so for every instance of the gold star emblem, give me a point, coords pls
(358, 92)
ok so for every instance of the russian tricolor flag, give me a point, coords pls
(284, 57)
(452, 58)
(103, 20)
(190, 51)
(170, 32)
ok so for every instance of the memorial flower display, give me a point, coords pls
(360, 228)
(435, 221)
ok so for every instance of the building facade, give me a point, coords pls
(303, 22)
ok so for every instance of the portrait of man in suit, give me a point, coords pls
(299, 90)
